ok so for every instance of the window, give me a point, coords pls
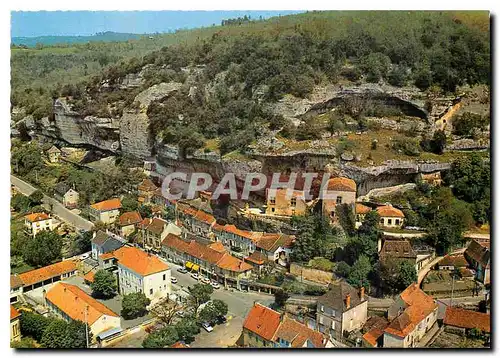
(333, 325)
(293, 201)
(389, 221)
(339, 200)
(320, 319)
(272, 200)
(382, 221)
(151, 291)
(333, 313)
(272, 210)
(322, 308)
(164, 277)
(397, 221)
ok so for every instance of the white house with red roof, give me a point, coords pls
(36, 222)
(106, 211)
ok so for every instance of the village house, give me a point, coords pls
(401, 249)
(16, 288)
(139, 271)
(266, 328)
(453, 262)
(342, 309)
(411, 316)
(390, 217)
(66, 195)
(208, 258)
(433, 179)
(71, 303)
(41, 279)
(15, 325)
(278, 204)
(54, 154)
(459, 320)
(37, 222)
(106, 211)
(337, 191)
(373, 331)
(152, 232)
(103, 242)
(275, 247)
(478, 255)
(361, 211)
(195, 220)
(146, 191)
(127, 222)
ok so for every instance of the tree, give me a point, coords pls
(25, 342)
(394, 275)
(438, 142)
(187, 328)
(104, 285)
(397, 76)
(162, 338)
(280, 297)
(43, 249)
(36, 198)
(212, 310)
(467, 123)
(20, 203)
(199, 294)
(358, 276)
(75, 335)
(54, 335)
(33, 324)
(82, 243)
(134, 305)
(129, 203)
(407, 274)
(343, 269)
(347, 219)
(145, 211)
(166, 310)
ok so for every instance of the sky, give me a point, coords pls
(84, 23)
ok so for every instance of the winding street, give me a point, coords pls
(57, 208)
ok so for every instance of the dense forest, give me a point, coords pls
(253, 63)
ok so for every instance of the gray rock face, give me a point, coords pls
(469, 144)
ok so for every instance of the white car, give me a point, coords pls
(85, 256)
(215, 285)
(207, 326)
(205, 280)
(195, 276)
(173, 280)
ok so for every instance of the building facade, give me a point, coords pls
(337, 191)
(106, 211)
(281, 204)
(15, 325)
(342, 309)
(38, 222)
(390, 216)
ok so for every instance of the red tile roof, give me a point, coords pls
(89, 276)
(271, 242)
(390, 211)
(257, 257)
(13, 313)
(147, 185)
(73, 301)
(34, 217)
(204, 252)
(137, 260)
(262, 321)
(129, 218)
(362, 209)
(217, 246)
(462, 318)
(419, 306)
(375, 329)
(107, 205)
(454, 260)
(15, 281)
(179, 345)
(298, 334)
(204, 217)
(341, 184)
(47, 272)
(234, 230)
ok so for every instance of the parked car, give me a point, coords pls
(205, 280)
(215, 285)
(182, 270)
(207, 326)
(85, 256)
(221, 320)
(195, 276)
(173, 280)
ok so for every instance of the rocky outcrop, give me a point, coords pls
(469, 144)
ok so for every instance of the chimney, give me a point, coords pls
(348, 301)
(362, 293)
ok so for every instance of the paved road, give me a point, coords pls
(57, 208)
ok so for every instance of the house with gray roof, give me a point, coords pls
(342, 309)
(104, 242)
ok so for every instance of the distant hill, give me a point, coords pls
(108, 36)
